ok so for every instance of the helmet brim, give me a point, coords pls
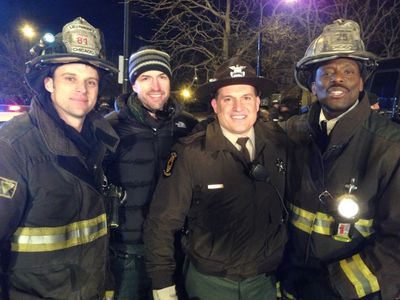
(38, 68)
(40, 61)
(306, 65)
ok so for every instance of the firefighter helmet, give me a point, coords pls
(339, 39)
(79, 42)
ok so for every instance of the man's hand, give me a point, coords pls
(168, 293)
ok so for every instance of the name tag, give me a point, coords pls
(215, 186)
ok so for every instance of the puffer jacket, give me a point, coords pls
(140, 159)
(53, 229)
(362, 257)
(235, 226)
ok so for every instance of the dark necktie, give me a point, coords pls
(323, 141)
(242, 142)
(324, 128)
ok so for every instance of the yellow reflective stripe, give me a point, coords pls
(278, 290)
(302, 212)
(288, 295)
(300, 225)
(322, 223)
(109, 295)
(359, 275)
(301, 219)
(364, 227)
(372, 280)
(29, 239)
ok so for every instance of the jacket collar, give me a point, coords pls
(346, 127)
(216, 141)
(57, 141)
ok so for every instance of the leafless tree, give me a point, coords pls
(378, 20)
(13, 55)
(200, 34)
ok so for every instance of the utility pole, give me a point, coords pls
(259, 42)
(125, 84)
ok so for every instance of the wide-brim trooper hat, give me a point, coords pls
(79, 42)
(341, 39)
(234, 71)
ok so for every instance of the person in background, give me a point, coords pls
(53, 228)
(227, 182)
(284, 109)
(148, 122)
(374, 101)
(345, 218)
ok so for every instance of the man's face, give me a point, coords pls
(236, 107)
(337, 86)
(73, 90)
(153, 89)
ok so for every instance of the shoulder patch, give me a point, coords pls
(170, 164)
(7, 187)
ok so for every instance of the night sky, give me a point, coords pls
(51, 15)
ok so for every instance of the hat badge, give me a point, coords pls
(237, 71)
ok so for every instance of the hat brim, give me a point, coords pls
(73, 58)
(207, 91)
(38, 68)
(305, 66)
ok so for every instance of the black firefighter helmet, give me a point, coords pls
(79, 42)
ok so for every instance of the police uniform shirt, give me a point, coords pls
(250, 145)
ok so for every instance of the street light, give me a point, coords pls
(28, 31)
(259, 37)
(186, 94)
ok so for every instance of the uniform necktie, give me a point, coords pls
(323, 141)
(324, 128)
(242, 143)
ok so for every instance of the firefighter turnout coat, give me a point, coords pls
(362, 257)
(53, 228)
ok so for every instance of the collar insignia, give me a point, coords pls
(280, 165)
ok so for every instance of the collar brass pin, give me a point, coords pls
(280, 165)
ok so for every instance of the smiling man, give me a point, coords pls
(73, 91)
(344, 224)
(227, 182)
(53, 225)
(148, 122)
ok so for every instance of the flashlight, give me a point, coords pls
(45, 40)
(347, 206)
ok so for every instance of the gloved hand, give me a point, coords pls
(168, 293)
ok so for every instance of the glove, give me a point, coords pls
(168, 293)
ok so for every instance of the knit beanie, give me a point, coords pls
(148, 59)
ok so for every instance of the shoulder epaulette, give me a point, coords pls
(15, 128)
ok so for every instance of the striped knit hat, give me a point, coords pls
(148, 59)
